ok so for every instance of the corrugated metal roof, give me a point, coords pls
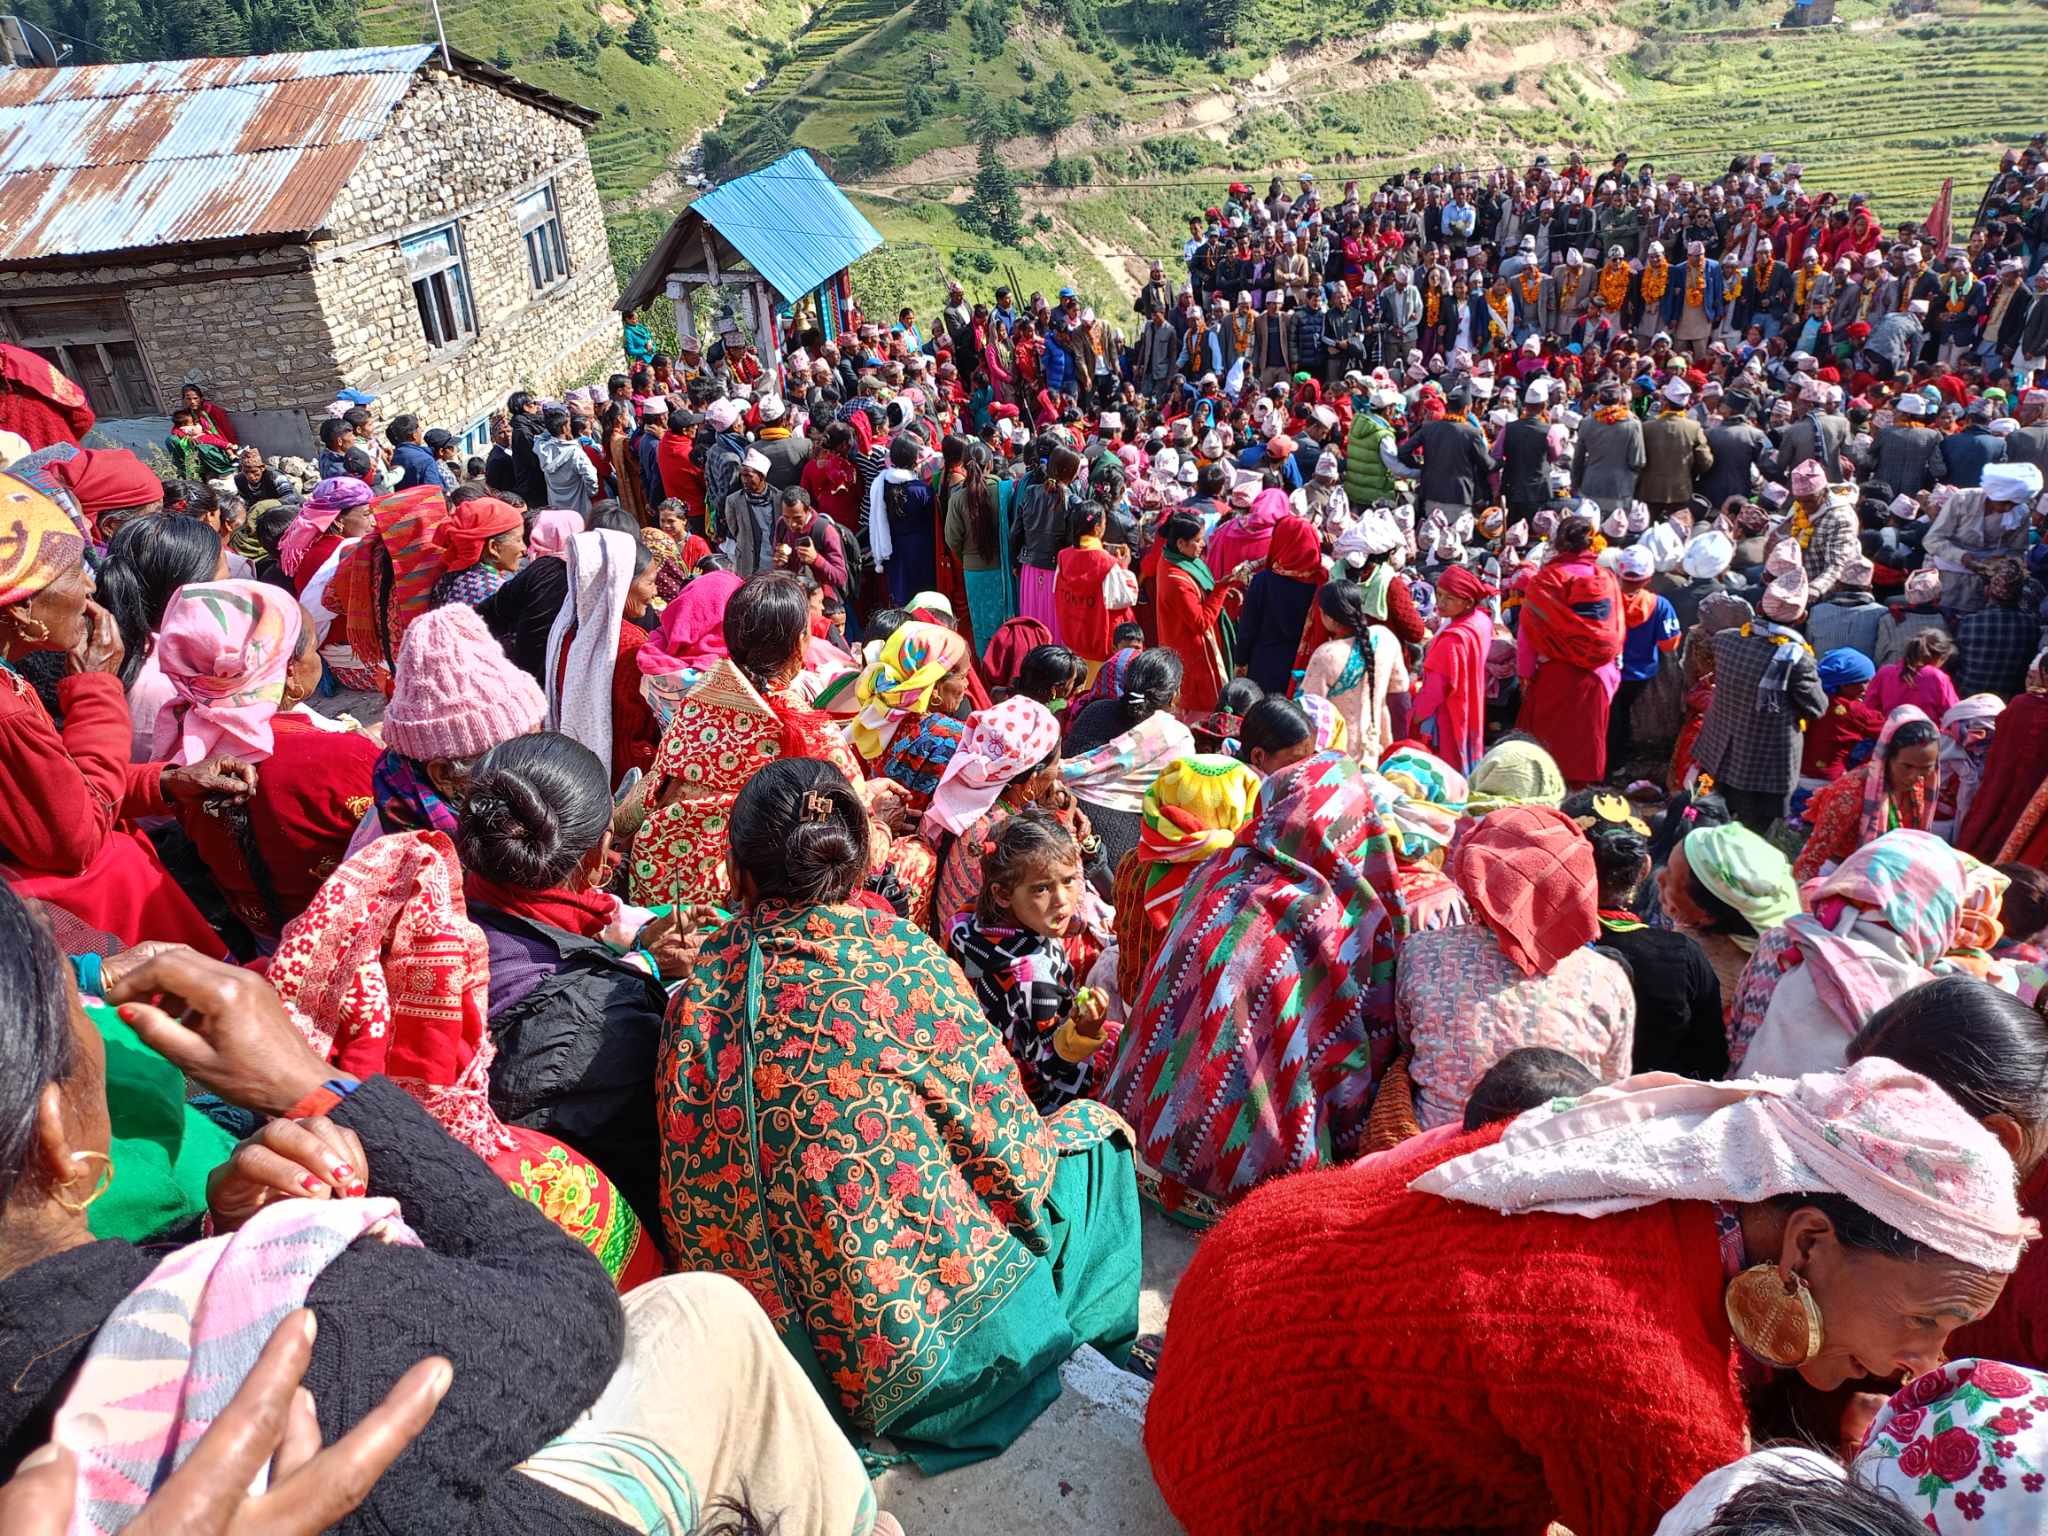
(790, 222)
(122, 157)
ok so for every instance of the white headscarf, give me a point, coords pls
(580, 704)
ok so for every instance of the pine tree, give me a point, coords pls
(994, 203)
(874, 148)
(1054, 108)
(565, 44)
(120, 29)
(503, 57)
(642, 41)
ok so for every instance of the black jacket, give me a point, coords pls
(521, 612)
(576, 1049)
(1525, 463)
(525, 1314)
(1038, 525)
(1454, 460)
(528, 479)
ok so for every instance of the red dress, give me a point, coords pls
(310, 794)
(1188, 623)
(62, 836)
(1085, 625)
(636, 734)
(1496, 1372)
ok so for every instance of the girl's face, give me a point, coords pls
(354, 523)
(1045, 897)
(817, 598)
(951, 690)
(1268, 762)
(674, 523)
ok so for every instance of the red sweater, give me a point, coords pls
(2016, 1329)
(1348, 1356)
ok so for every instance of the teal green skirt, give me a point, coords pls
(988, 603)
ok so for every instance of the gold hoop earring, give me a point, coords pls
(1774, 1318)
(22, 621)
(100, 1183)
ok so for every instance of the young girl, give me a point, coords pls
(1918, 677)
(1093, 591)
(1356, 669)
(1014, 948)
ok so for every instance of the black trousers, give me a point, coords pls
(1757, 809)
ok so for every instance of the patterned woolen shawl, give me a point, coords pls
(1265, 1024)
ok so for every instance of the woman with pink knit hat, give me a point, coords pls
(454, 696)
(240, 660)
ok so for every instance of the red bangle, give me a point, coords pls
(318, 1102)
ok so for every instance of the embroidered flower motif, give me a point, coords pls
(1971, 1504)
(1954, 1454)
(1994, 1378)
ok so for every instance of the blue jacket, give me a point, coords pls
(416, 466)
(1966, 453)
(1674, 295)
(1308, 338)
(1059, 367)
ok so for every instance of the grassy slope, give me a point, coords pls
(651, 111)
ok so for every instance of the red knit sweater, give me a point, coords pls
(1347, 1356)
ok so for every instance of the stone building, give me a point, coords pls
(283, 227)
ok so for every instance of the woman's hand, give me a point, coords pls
(99, 647)
(270, 1420)
(675, 937)
(221, 777)
(222, 1026)
(887, 802)
(310, 1159)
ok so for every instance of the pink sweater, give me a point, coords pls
(1931, 689)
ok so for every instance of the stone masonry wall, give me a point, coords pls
(461, 151)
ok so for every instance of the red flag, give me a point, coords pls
(1935, 232)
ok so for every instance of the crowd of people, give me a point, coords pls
(1490, 733)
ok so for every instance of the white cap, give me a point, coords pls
(1636, 564)
(757, 461)
(1708, 555)
(1323, 416)
(773, 408)
(1327, 466)
(2011, 482)
(1616, 525)
(1536, 391)
(1678, 392)
(1188, 473)
(1112, 421)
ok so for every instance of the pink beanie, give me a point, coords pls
(455, 693)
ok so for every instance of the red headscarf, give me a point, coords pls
(1528, 872)
(107, 479)
(1008, 647)
(1296, 550)
(468, 528)
(1456, 581)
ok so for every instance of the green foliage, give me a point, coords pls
(564, 46)
(1078, 172)
(1041, 221)
(502, 58)
(1054, 108)
(874, 148)
(917, 102)
(715, 151)
(988, 22)
(1462, 37)
(1026, 70)
(642, 41)
(1431, 45)
(933, 14)
(605, 36)
(994, 208)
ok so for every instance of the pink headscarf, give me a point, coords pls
(1877, 783)
(692, 633)
(329, 499)
(1248, 535)
(552, 532)
(1000, 742)
(1885, 1138)
(224, 648)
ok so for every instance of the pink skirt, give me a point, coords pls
(1034, 597)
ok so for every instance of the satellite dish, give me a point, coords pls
(28, 46)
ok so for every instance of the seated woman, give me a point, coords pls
(1723, 886)
(1273, 733)
(1008, 759)
(1110, 777)
(1006, 649)
(1869, 932)
(1895, 788)
(409, 1249)
(1426, 815)
(335, 511)
(1515, 771)
(1771, 1217)
(1677, 994)
(1190, 814)
(62, 829)
(742, 715)
(1357, 668)
(146, 563)
(575, 996)
(1989, 1052)
(1255, 1047)
(593, 681)
(1967, 732)
(1522, 974)
(690, 639)
(846, 1136)
(483, 541)
(907, 726)
(2015, 765)
(240, 662)
(455, 696)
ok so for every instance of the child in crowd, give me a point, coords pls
(1849, 721)
(1016, 951)
(1050, 674)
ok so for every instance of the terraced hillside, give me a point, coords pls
(1877, 103)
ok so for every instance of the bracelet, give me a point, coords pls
(322, 1099)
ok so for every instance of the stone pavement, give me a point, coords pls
(1081, 1467)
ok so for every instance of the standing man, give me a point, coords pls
(1154, 353)
(1739, 447)
(1525, 454)
(1451, 458)
(1766, 684)
(1906, 454)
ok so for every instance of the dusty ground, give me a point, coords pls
(1081, 1467)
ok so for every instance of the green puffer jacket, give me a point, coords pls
(1366, 480)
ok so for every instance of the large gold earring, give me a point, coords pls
(1775, 1319)
(22, 620)
(100, 1182)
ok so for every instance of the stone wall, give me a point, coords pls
(284, 329)
(458, 151)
